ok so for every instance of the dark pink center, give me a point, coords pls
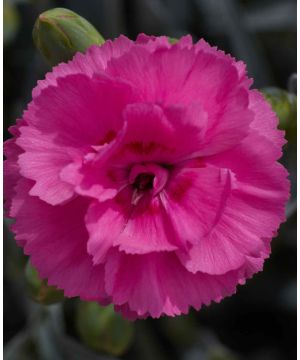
(144, 181)
(147, 177)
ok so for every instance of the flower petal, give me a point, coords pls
(105, 221)
(80, 111)
(195, 199)
(253, 212)
(155, 134)
(135, 229)
(193, 78)
(11, 173)
(202, 45)
(158, 284)
(64, 122)
(55, 238)
(94, 61)
(42, 160)
(265, 120)
(147, 229)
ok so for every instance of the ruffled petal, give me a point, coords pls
(147, 229)
(230, 126)
(152, 43)
(158, 284)
(42, 161)
(151, 134)
(151, 73)
(265, 121)
(105, 221)
(55, 238)
(80, 111)
(98, 182)
(64, 123)
(193, 78)
(94, 61)
(202, 45)
(194, 200)
(135, 229)
(253, 212)
(11, 174)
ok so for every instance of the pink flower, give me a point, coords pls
(145, 175)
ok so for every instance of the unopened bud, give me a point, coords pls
(60, 33)
(102, 329)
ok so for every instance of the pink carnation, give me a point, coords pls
(145, 175)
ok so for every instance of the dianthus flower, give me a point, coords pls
(145, 175)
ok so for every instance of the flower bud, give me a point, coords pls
(38, 289)
(60, 33)
(102, 329)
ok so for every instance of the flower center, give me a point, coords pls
(143, 181)
(147, 178)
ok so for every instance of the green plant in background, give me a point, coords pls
(284, 104)
(39, 290)
(173, 40)
(11, 21)
(102, 329)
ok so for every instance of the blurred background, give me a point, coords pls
(259, 322)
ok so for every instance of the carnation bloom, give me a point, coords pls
(145, 174)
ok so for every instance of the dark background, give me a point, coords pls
(259, 322)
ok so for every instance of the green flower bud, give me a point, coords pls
(285, 106)
(60, 33)
(102, 329)
(38, 289)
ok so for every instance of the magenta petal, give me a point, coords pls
(11, 171)
(194, 194)
(202, 45)
(147, 229)
(105, 221)
(151, 134)
(265, 120)
(128, 314)
(88, 180)
(55, 238)
(80, 111)
(152, 43)
(135, 229)
(158, 284)
(94, 61)
(42, 160)
(72, 122)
